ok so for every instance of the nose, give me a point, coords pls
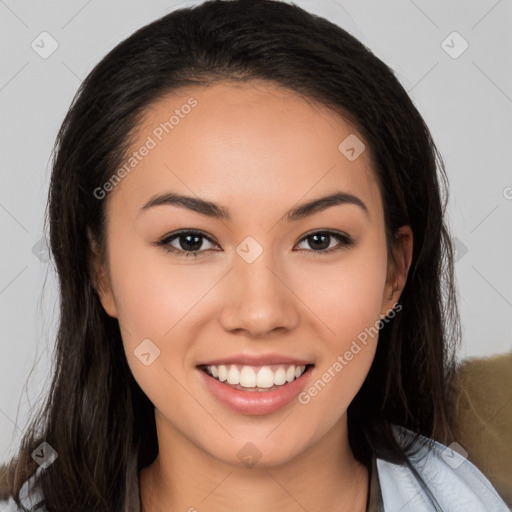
(259, 298)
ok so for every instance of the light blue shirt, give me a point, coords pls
(456, 484)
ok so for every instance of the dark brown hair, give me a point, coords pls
(96, 416)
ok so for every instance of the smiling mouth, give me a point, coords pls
(256, 378)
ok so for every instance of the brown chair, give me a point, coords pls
(480, 396)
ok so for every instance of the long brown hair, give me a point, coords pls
(96, 416)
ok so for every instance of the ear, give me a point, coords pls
(398, 269)
(100, 278)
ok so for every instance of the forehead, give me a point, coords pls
(244, 143)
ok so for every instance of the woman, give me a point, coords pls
(246, 220)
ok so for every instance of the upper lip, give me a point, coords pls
(256, 360)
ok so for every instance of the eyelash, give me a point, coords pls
(345, 240)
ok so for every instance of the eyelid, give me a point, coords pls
(329, 231)
(165, 240)
(345, 240)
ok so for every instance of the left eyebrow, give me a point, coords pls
(219, 212)
(317, 205)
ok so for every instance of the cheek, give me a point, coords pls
(346, 294)
(149, 303)
(152, 305)
(347, 298)
(152, 292)
(157, 302)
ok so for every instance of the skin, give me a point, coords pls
(258, 150)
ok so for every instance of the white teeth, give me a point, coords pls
(223, 373)
(265, 378)
(249, 377)
(233, 375)
(280, 377)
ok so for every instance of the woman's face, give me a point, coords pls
(255, 287)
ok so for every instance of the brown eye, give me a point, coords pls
(321, 241)
(189, 243)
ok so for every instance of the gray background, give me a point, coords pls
(465, 98)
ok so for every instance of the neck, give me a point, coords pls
(321, 478)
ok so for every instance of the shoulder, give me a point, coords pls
(453, 481)
(30, 497)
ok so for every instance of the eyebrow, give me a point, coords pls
(219, 212)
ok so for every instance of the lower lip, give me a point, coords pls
(256, 402)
